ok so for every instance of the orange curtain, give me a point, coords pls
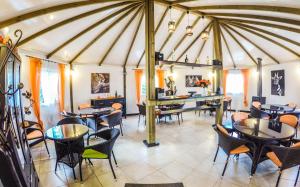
(245, 73)
(161, 78)
(225, 73)
(138, 78)
(61, 89)
(35, 83)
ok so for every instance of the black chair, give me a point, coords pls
(231, 145)
(257, 113)
(69, 152)
(34, 133)
(142, 112)
(284, 157)
(112, 120)
(179, 113)
(225, 107)
(102, 150)
(199, 106)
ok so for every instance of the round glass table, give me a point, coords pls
(69, 143)
(67, 132)
(277, 108)
(262, 132)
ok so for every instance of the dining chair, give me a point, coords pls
(178, 114)
(292, 105)
(199, 106)
(84, 106)
(235, 117)
(117, 106)
(142, 112)
(34, 133)
(284, 158)
(229, 99)
(291, 120)
(113, 119)
(101, 150)
(256, 104)
(225, 107)
(257, 113)
(231, 145)
(70, 120)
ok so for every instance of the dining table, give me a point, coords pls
(277, 108)
(263, 132)
(69, 143)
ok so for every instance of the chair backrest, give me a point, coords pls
(84, 106)
(115, 118)
(70, 120)
(256, 104)
(225, 105)
(117, 106)
(289, 119)
(110, 136)
(292, 105)
(257, 113)
(239, 116)
(142, 109)
(289, 156)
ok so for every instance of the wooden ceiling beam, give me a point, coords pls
(156, 30)
(51, 9)
(134, 38)
(72, 19)
(102, 20)
(181, 1)
(122, 31)
(254, 44)
(250, 7)
(241, 46)
(268, 39)
(252, 16)
(184, 37)
(192, 43)
(202, 46)
(102, 33)
(265, 32)
(171, 33)
(265, 24)
(228, 48)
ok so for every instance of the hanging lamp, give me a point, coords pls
(204, 35)
(189, 28)
(171, 24)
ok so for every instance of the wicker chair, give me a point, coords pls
(117, 106)
(256, 104)
(284, 158)
(142, 112)
(112, 120)
(199, 106)
(103, 150)
(34, 133)
(231, 145)
(257, 113)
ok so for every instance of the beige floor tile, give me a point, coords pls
(177, 170)
(52, 179)
(138, 170)
(91, 181)
(156, 178)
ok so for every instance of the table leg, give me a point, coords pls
(256, 157)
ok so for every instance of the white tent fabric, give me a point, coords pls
(94, 54)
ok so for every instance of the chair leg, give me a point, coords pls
(112, 169)
(114, 157)
(74, 173)
(56, 166)
(90, 162)
(80, 171)
(178, 118)
(216, 154)
(225, 165)
(139, 119)
(297, 176)
(121, 128)
(278, 179)
(46, 146)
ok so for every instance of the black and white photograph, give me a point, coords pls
(100, 83)
(277, 82)
(192, 80)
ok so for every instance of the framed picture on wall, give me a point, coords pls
(277, 82)
(100, 83)
(192, 80)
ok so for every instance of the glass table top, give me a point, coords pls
(67, 132)
(276, 107)
(264, 129)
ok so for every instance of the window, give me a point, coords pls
(143, 86)
(49, 86)
(235, 82)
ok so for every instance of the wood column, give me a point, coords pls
(125, 86)
(150, 72)
(259, 81)
(71, 88)
(218, 83)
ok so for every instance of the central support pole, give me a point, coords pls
(150, 72)
(218, 71)
(259, 82)
(71, 88)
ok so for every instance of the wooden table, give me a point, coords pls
(262, 132)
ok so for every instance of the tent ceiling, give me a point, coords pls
(112, 31)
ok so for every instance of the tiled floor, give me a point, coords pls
(185, 155)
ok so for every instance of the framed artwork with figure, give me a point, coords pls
(277, 82)
(100, 83)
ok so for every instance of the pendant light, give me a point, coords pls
(171, 24)
(204, 35)
(189, 28)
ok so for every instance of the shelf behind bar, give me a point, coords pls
(182, 101)
(167, 62)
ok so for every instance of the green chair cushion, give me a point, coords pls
(91, 153)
